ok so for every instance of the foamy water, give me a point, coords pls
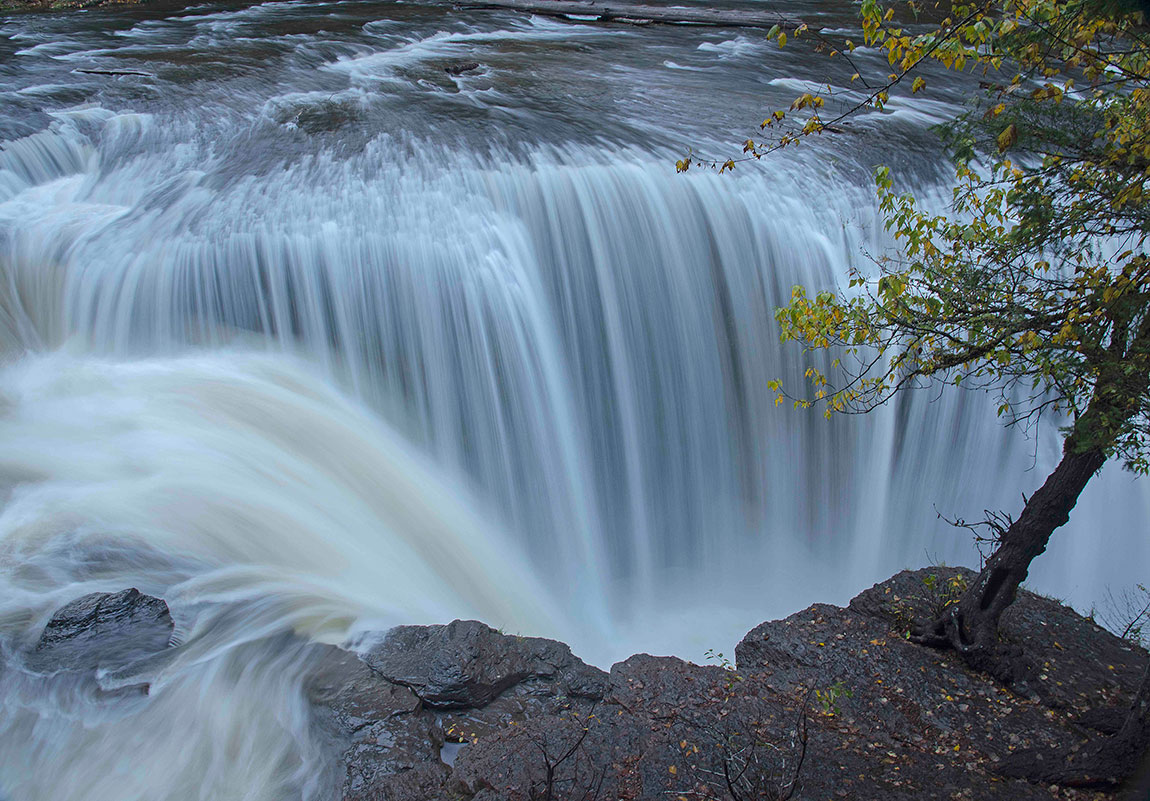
(307, 337)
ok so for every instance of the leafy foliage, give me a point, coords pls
(1036, 282)
(829, 698)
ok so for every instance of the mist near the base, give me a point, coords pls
(308, 337)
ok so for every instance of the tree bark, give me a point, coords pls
(970, 627)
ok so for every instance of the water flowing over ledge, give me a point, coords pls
(309, 336)
(826, 702)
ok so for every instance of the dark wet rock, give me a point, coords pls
(391, 712)
(830, 702)
(375, 726)
(105, 631)
(1078, 667)
(668, 728)
(467, 664)
(461, 68)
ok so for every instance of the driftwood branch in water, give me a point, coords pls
(115, 72)
(626, 12)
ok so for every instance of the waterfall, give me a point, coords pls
(260, 504)
(584, 338)
(357, 344)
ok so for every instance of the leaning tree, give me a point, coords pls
(1033, 284)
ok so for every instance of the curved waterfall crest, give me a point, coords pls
(347, 341)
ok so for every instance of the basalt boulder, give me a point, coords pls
(103, 631)
(467, 664)
(398, 712)
(461, 68)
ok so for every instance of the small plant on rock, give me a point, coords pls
(828, 699)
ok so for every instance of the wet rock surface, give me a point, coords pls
(468, 664)
(103, 631)
(828, 703)
(402, 709)
(461, 68)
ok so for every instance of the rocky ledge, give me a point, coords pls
(830, 703)
(59, 5)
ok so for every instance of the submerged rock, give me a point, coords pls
(105, 631)
(461, 68)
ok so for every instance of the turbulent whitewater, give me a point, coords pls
(307, 336)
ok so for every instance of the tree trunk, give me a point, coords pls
(971, 625)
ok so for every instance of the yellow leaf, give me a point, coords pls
(1007, 138)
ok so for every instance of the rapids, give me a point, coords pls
(307, 337)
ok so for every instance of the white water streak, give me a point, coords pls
(570, 345)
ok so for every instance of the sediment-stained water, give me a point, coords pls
(307, 336)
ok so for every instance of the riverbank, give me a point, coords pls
(828, 703)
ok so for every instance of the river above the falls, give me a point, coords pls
(306, 334)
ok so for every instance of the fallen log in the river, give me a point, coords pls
(114, 72)
(628, 12)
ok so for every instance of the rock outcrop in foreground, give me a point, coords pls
(829, 703)
(108, 641)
